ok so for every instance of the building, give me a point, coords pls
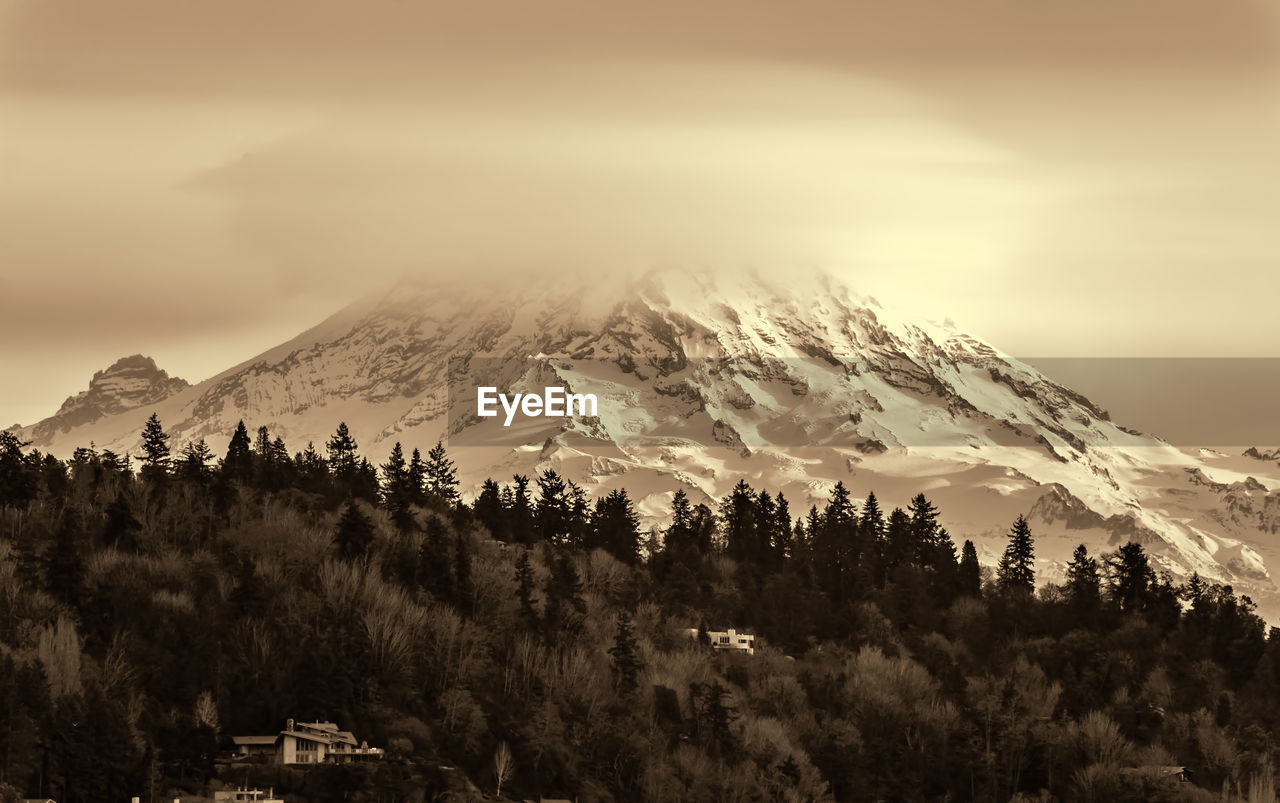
(728, 640)
(243, 795)
(307, 743)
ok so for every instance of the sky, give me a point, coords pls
(200, 181)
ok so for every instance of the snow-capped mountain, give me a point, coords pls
(703, 380)
(127, 384)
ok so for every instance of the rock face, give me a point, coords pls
(127, 384)
(703, 380)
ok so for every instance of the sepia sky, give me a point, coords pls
(199, 181)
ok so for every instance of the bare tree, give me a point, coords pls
(502, 765)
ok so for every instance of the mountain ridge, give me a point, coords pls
(705, 379)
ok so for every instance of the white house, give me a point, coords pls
(243, 795)
(728, 640)
(308, 743)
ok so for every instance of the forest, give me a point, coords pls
(534, 640)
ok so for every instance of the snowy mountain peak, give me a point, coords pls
(703, 379)
(127, 384)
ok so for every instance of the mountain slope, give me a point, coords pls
(703, 380)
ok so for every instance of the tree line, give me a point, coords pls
(533, 640)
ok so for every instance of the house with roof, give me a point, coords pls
(728, 640)
(307, 743)
(245, 795)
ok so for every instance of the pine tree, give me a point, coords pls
(520, 512)
(616, 527)
(871, 546)
(1016, 573)
(738, 522)
(551, 513)
(970, 571)
(626, 658)
(489, 510)
(268, 471)
(344, 461)
(364, 485)
(354, 535)
(18, 482)
(237, 466)
(835, 539)
(1084, 585)
(417, 478)
(781, 538)
(397, 493)
(714, 716)
(193, 463)
(679, 535)
(155, 451)
(441, 478)
(1130, 577)
(899, 538)
(313, 472)
(924, 531)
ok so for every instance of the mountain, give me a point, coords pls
(127, 384)
(703, 380)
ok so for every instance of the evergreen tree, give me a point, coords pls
(237, 466)
(263, 470)
(18, 481)
(520, 512)
(1084, 585)
(679, 536)
(713, 717)
(194, 462)
(364, 485)
(616, 527)
(155, 451)
(836, 539)
(355, 533)
(626, 658)
(551, 513)
(925, 531)
(781, 536)
(489, 510)
(1130, 577)
(313, 472)
(871, 542)
(417, 478)
(899, 539)
(738, 523)
(970, 571)
(441, 478)
(344, 460)
(115, 465)
(397, 490)
(1016, 573)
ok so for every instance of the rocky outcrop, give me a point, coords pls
(127, 384)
